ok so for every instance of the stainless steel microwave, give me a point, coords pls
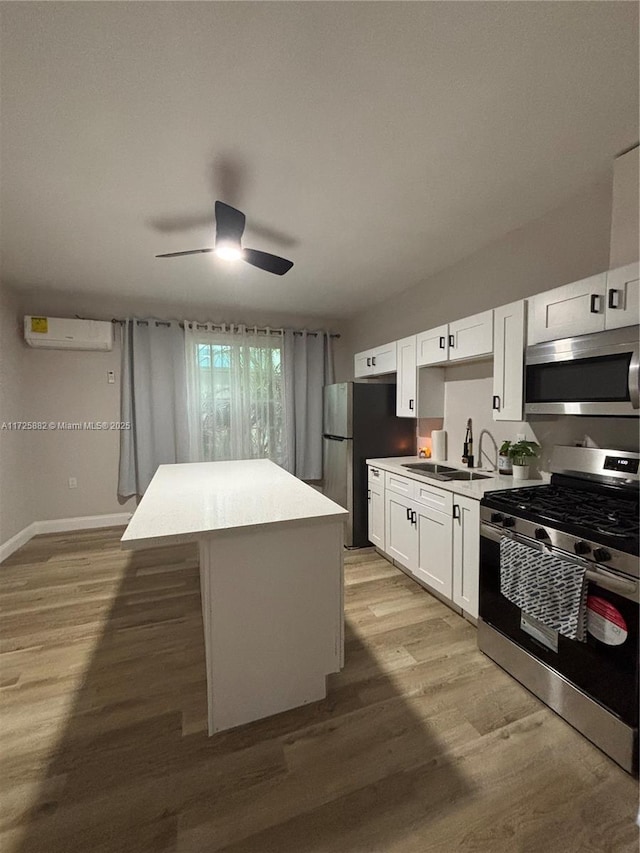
(588, 375)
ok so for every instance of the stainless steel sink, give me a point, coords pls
(428, 467)
(443, 472)
(466, 475)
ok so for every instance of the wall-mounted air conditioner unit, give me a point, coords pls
(59, 333)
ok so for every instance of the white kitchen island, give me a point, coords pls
(271, 578)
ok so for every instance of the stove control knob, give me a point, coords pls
(509, 522)
(496, 517)
(601, 555)
(541, 533)
(581, 547)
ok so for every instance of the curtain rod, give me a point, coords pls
(263, 329)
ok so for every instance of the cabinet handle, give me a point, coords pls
(496, 403)
(451, 341)
(373, 361)
(442, 342)
(613, 298)
(456, 510)
(368, 362)
(411, 404)
(595, 302)
(375, 472)
(369, 494)
(414, 516)
(408, 514)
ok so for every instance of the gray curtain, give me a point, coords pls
(153, 401)
(308, 367)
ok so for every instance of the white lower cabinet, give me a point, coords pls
(432, 533)
(376, 515)
(401, 541)
(434, 549)
(466, 553)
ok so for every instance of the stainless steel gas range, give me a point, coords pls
(585, 522)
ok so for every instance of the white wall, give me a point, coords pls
(16, 447)
(468, 394)
(72, 386)
(567, 244)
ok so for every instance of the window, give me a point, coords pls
(236, 396)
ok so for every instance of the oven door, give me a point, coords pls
(605, 667)
(588, 375)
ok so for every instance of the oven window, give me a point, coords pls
(585, 380)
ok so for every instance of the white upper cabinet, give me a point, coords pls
(362, 363)
(623, 304)
(376, 361)
(432, 347)
(564, 312)
(471, 337)
(508, 361)
(407, 381)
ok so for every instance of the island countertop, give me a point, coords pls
(185, 502)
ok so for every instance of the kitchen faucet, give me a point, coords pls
(467, 452)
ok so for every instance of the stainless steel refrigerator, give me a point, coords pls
(360, 423)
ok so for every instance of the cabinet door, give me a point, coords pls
(432, 347)
(466, 553)
(362, 363)
(401, 539)
(623, 304)
(383, 359)
(434, 550)
(508, 362)
(376, 515)
(407, 380)
(471, 337)
(573, 309)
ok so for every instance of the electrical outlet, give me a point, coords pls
(111, 377)
(520, 436)
(73, 483)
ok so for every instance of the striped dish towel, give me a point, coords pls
(552, 590)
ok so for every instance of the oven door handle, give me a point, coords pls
(626, 587)
(622, 586)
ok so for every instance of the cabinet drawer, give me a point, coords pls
(434, 498)
(399, 485)
(376, 475)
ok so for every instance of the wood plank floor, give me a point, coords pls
(422, 744)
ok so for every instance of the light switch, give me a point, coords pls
(111, 377)
(73, 483)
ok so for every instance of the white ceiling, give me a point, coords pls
(372, 143)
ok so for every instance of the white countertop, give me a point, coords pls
(472, 489)
(185, 502)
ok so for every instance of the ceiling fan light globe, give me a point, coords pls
(228, 252)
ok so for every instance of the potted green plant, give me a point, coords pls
(520, 454)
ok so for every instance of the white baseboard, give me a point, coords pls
(61, 525)
(21, 538)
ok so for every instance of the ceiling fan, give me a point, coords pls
(229, 229)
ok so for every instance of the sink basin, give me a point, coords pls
(428, 467)
(466, 475)
(443, 472)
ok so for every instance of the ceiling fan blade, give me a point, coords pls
(266, 261)
(180, 254)
(229, 223)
